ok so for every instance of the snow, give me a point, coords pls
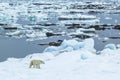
(72, 65)
(72, 60)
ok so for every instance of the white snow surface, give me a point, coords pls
(79, 64)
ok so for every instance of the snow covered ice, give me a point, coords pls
(74, 59)
(79, 63)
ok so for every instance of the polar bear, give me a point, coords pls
(36, 63)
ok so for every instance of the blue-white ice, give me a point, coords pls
(70, 45)
(111, 46)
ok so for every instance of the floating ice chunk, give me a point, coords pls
(90, 22)
(106, 38)
(16, 33)
(36, 34)
(111, 46)
(109, 49)
(116, 21)
(86, 32)
(82, 17)
(107, 18)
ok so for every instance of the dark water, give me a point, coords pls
(19, 48)
(11, 47)
(100, 41)
(109, 18)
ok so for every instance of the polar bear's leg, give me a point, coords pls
(38, 66)
(31, 63)
(34, 64)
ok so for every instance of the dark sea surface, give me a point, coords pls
(11, 47)
(19, 48)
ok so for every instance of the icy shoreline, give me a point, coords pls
(81, 63)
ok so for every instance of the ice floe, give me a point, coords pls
(75, 64)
